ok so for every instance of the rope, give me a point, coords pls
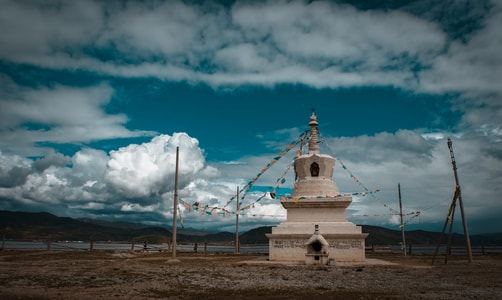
(366, 191)
(246, 188)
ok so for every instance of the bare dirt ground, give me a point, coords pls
(123, 275)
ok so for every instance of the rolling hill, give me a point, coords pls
(42, 226)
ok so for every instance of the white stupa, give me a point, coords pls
(316, 200)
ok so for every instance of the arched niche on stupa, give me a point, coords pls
(314, 169)
(314, 165)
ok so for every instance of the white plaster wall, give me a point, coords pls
(350, 249)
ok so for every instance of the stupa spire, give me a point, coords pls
(314, 134)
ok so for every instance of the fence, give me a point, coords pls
(417, 249)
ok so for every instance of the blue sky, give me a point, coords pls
(95, 96)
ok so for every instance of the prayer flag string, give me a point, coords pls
(246, 188)
(366, 191)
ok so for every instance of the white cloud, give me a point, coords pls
(37, 29)
(404, 146)
(160, 28)
(148, 169)
(321, 44)
(59, 114)
(473, 67)
(88, 172)
(14, 170)
(337, 34)
(241, 58)
(135, 207)
(144, 173)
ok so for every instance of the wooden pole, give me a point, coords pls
(3, 238)
(459, 197)
(450, 232)
(237, 211)
(448, 219)
(401, 215)
(451, 214)
(175, 205)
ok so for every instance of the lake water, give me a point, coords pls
(76, 245)
(244, 249)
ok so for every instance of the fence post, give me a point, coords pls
(49, 243)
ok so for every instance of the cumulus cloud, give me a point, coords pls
(14, 170)
(149, 168)
(136, 178)
(51, 159)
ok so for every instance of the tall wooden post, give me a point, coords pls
(237, 212)
(459, 197)
(451, 214)
(401, 215)
(175, 205)
(49, 243)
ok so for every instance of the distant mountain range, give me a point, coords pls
(42, 226)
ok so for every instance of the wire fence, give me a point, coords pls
(412, 249)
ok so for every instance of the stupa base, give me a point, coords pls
(342, 247)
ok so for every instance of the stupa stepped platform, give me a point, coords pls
(341, 201)
(327, 228)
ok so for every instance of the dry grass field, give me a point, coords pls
(124, 275)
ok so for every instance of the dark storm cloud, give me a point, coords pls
(13, 177)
